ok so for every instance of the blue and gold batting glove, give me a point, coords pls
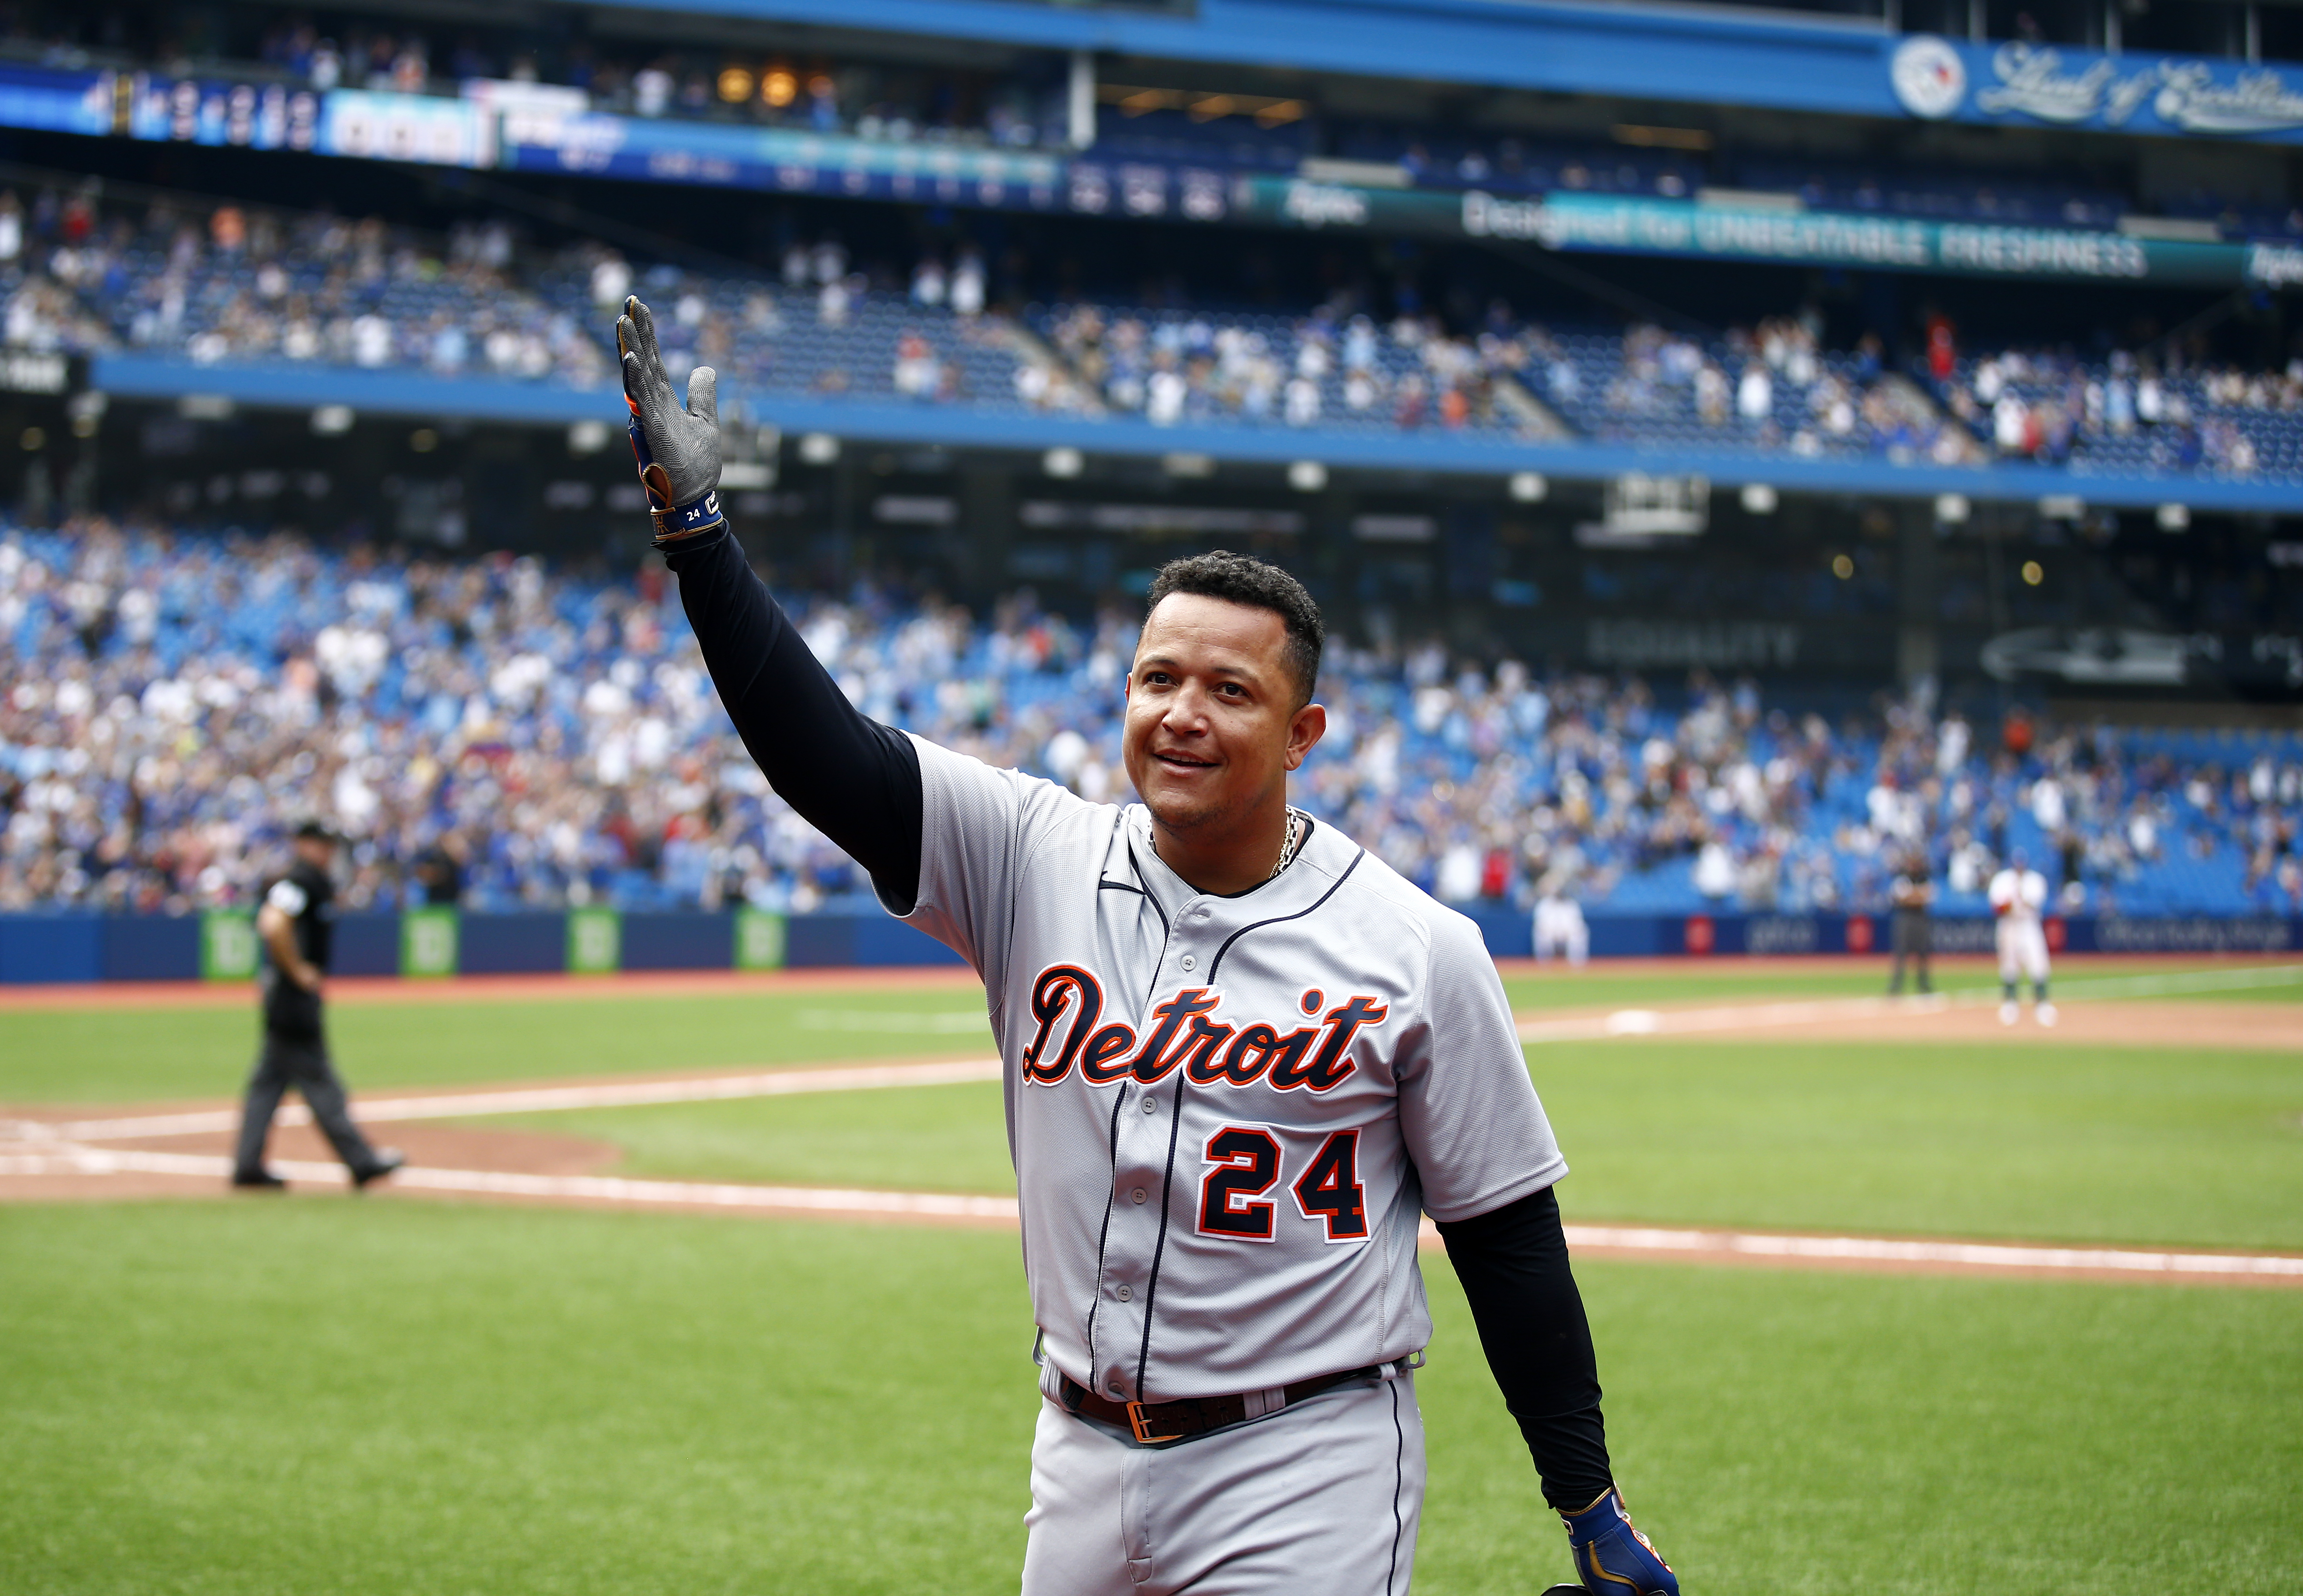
(677, 447)
(1611, 1555)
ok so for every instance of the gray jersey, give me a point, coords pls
(1226, 1114)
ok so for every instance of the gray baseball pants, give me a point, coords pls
(302, 1062)
(1323, 1496)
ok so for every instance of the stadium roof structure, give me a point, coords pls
(1690, 54)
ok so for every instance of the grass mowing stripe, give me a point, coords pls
(535, 1100)
(504, 1402)
(171, 1054)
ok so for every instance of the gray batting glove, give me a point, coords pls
(677, 449)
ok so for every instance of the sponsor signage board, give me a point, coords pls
(595, 941)
(2018, 84)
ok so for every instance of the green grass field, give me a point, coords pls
(324, 1396)
(320, 1394)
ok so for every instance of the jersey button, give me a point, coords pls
(1138, 1194)
(1126, 1294)
(1189, 963)
(1150, 1105)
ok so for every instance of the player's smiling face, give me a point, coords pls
(1214, 719)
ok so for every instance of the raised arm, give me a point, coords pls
(853, 779)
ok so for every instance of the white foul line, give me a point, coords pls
(1738, 1016)
(499, 1183)
(63, 1159)
(537, 1099)
(1972, 1255)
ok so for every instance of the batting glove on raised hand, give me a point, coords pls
(678, 449)
(1611, 1555)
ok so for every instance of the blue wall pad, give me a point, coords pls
(526, 943)
(42, 947)
(686, 940)
(366, 944)
(151, 948)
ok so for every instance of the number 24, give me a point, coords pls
(1246, 1165)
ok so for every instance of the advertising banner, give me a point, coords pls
(56, 102)
(595, 941)
(429, 940)
(209, 111)
(761, 940)
(783, 159)
(2015, 84)
(384, 126)
(228, 945)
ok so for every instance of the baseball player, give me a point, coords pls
(1560, 929)
(2018, 894)
(1244, 1058)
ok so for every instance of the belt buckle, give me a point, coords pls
(1137, 1421)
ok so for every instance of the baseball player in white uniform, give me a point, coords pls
(2018, 896)
(1244, 1058)
(1560, 929)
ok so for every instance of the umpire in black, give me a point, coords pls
(295, 925)
(1911, 891)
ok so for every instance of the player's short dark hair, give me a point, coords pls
(314, 830)
(1242, 579)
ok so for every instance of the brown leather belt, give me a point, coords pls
(1156, 1422)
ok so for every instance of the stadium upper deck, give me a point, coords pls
(1533, 134)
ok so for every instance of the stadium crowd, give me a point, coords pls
(492, 733)
(211, 284)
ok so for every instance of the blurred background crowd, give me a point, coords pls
(208, 283)
(495, 733)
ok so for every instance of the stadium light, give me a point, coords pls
(1307, 476)
(1063, 461)
(332, 421)
(1529, 488)
(1951, 509)
(587, 437)
(818, 449)
(1758, 499)
(2175, 518)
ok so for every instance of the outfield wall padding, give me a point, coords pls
(79, 947)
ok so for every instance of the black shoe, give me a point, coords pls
(259, 1180)
(387, 1159)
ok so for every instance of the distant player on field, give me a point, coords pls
(1243, 1060)
(1561, 931)
(2018, 895)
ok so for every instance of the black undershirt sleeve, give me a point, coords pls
(853, 779)
(1512, 1262)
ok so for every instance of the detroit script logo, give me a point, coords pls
(1067, 1002)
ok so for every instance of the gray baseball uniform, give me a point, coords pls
(1228, 1116)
